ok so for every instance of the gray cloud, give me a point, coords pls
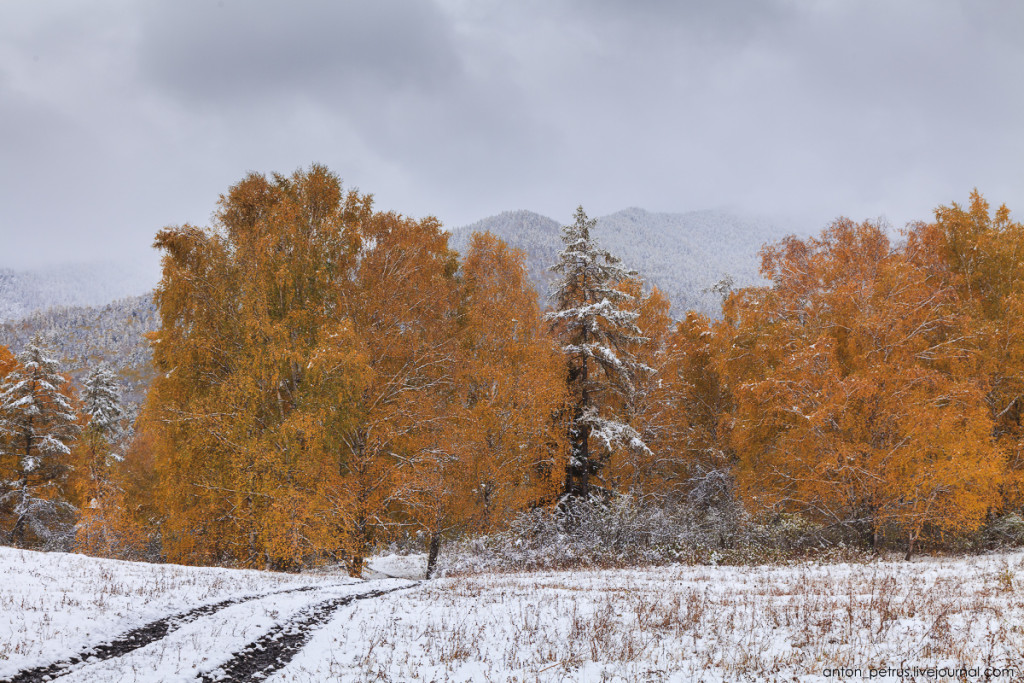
(121, 117)
(239, 53)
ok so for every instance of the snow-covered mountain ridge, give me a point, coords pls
(23, 292)
(683, 254)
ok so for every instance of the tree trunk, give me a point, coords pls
(435, 547)
(355, 566)
(360, 538)
(910, 545)
(585, 432)
(18, 532)
(568, 486)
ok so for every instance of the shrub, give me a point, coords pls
(623, 531)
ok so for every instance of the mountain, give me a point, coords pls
(83, 284)
(84, 336)
(683, 254)
(535, 234)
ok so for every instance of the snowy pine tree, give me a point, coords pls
(596, 328)
(104, 437)
(93, 483)
(101, 401)
(40, 424)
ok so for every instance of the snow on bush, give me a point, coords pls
(623, 532)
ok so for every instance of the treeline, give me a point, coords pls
(329, 376)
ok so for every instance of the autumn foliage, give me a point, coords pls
(328, 378)
(856, 384)
(875, 384)
(331, 376)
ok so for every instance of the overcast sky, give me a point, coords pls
(120, 117)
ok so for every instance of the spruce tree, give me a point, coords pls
(101, 401)
(596, 327)
(105, 435)
(41, 426)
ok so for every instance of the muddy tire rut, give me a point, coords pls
(275, 649)
(134, 639)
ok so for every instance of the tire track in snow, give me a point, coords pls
(134, 639)
(275, 649)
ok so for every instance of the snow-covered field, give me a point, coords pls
(54, 605)
(666, 624)
(687, 624)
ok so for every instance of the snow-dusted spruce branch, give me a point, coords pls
(612, 432)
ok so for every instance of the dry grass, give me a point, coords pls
(686, 623)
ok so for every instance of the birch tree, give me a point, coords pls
(255, 361)
(401, 300)
(856, 389)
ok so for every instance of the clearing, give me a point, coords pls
(83, 619)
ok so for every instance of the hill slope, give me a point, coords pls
(83, 284)
(682, 254)
(84, 336)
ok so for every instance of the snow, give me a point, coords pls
(203, 645)
(681, 624)
(23, 401)
(412, 566)
(53, 605)
(612, 432)
(678, 623)
(51, 446)
(603, 309)
(101, 400)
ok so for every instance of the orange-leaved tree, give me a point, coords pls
(644, 403)
(8, 455)
(500, 450)
(401, 303)
(253, 338)
(854, 377)
(984, 251)
(680, 407)
(9, 462)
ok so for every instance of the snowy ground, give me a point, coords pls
(397, 567)
(54, 605)
(666, 624)
(688, 624)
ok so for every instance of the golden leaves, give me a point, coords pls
(858, 378)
